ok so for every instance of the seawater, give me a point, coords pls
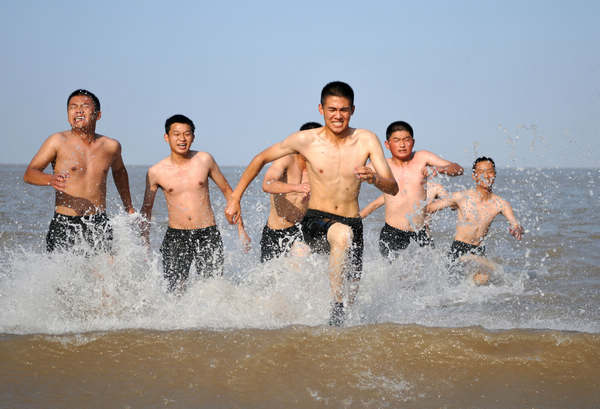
(99, 332)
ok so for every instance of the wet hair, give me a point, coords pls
(180, 119)
(483, 159)
(337, 89)
(86, 93)
(310, 125)
(399, 126)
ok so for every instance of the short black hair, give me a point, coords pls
(310, 125)
(483, 159)
(399, 126)
(180, 119)
(337, 89)
(86, 93)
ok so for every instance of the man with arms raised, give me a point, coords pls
(336, 156)
(287, 182)
(477, 208)
(80, 159)
(404, 216)
(192, 234)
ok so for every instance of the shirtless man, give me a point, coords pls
(287, 182)
(477, 208)
(80, 160)
(192, 234)
(404, 216)
(335, 160)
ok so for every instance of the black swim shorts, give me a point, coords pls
(67, 231)
(275, 243)
(460, 248)
(315, 225)
(180, 247)
(392, 240)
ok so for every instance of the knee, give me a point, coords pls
(340, 236)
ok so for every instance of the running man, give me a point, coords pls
(192, 234)
(336, 156)
(287, 182)
(80, 160)
(477, 208)
(404, 215)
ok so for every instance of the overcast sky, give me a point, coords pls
(515, 80)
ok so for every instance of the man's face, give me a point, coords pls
(81, 112)
(484, 174)
(180, 138)
(336, 112)
(400, 144)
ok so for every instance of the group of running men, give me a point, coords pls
(314, 183)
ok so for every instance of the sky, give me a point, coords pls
(515, 80)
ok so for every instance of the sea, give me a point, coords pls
(102, 332)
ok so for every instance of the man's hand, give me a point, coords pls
(302, 188)
(365, 174)
(516, 231)
(59, 181)
(453, 169)
(232, 211)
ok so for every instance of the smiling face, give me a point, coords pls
(400, 144)
(336, 112)
(484, 174)
(81, 112)
(180, 138)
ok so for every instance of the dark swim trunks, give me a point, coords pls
(65, 232)
(460, 248)
(392, 240)
(275, 243)
(314, 229)
(180, 247)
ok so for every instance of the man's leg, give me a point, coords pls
(176, 258)
(208, 252)
(339, 237)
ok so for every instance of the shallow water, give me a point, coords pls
(104, 332)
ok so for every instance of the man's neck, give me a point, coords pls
(484, 192)
(178, 159)
(338, 137)
(86, 135)
(403, 162)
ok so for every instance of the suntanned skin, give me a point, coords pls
(81, 159)
(335, 160)
(477, 208)
(183, 177)
(404, 211)
(287, 182)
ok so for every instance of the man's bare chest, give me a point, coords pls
(178, 182)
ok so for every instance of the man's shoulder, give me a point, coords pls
(60, 137)
(200, 158)
(108, 143)
(364, 133)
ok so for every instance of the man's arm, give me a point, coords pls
(221, 181)
(279, 150)
(272, 182)
(515, 229)
(441, 165)
(121, 179)
(440, 204)
(379, 173)
(147, 205)
(34, 175)
(371, 207)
